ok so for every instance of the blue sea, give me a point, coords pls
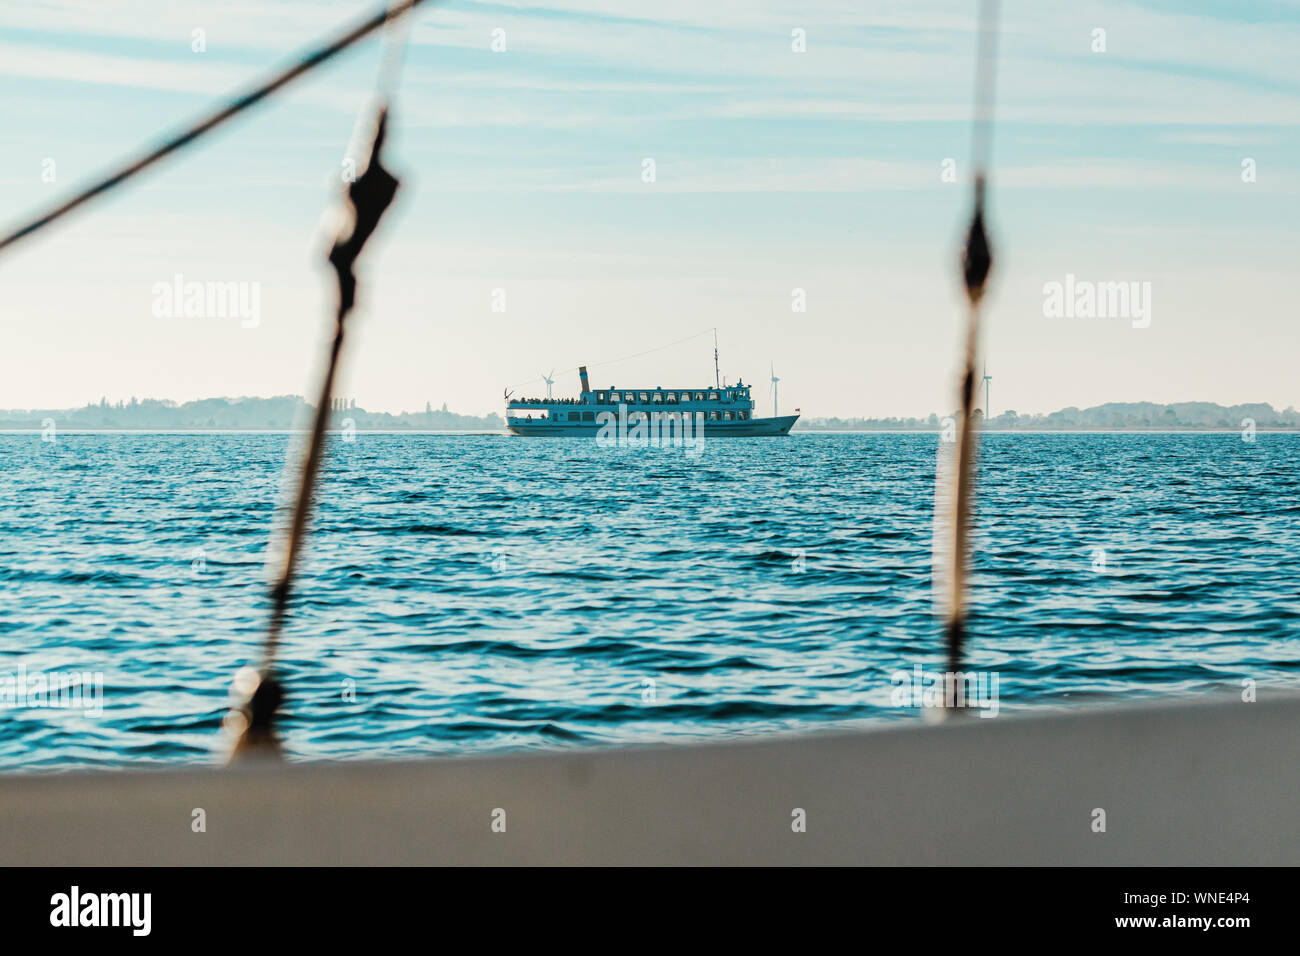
(476, 593)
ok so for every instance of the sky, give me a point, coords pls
(526, 238)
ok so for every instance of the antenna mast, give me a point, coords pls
(717, 376)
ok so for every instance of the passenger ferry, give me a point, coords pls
(721, 410)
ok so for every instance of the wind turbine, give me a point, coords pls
(549, 382)
(987, 378)
(772, 372)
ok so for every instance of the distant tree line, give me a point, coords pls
(1191, 416)
(272, 414)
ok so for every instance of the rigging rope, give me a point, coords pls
(178, 141)
(953, 540)
(367, 197)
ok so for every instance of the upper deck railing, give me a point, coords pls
(739, 396)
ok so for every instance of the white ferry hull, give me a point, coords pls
(751, 428)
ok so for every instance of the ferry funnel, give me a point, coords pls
(582, 374)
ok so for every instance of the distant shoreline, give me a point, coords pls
(481, 433)
(290, 413)
(255, 431)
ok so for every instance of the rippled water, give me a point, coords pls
(474, 593)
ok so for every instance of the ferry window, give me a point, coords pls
(657, 397)
(588, 416)
(614, 397)
(686, 396)
(645, 397)
(600, 397)
(713, 416)
(713, 396)
(726, 416)
(671, 398)
(699, 396)
(742, 415)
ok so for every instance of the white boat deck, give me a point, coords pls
(1207, 782)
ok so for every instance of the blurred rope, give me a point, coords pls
(953, 541)
(178, 141)
(366, 198)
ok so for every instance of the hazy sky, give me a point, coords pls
(775, 170)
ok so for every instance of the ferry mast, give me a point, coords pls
(717, 377)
